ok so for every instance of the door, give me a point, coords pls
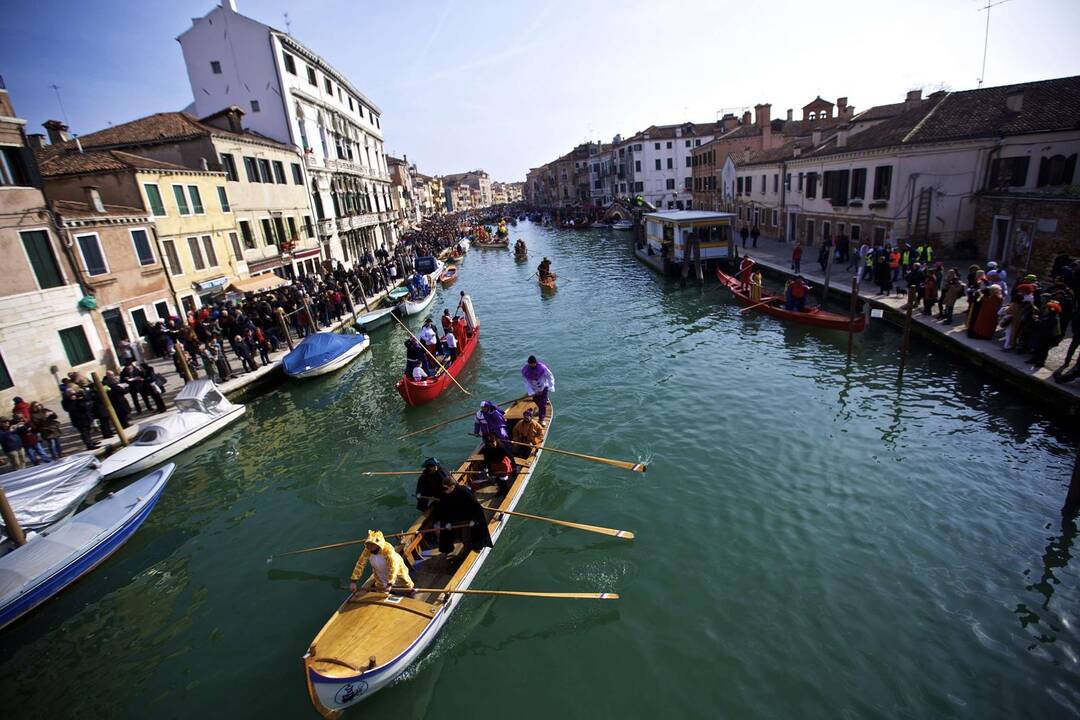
(999, 239)
(188, 301)
(138, 317)
(793, 223)
(114, 323)
(162, 309)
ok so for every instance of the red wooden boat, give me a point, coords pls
(420, 392)
(774, 306)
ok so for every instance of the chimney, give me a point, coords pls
(761, 113)
(229, 5)
(58, 131)
(841, 134)
(36, 141)
(841, 106)
(746, 155)
(797, 151)
(1015, 101)
(790, 114)
(746, 118)
(729, 122)
(93, 198)
(913, 97)
(815, 137)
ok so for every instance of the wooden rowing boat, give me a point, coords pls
(496, 245)
(449, 276)
(547, 283)
(373, 638)
(419, 392)
(774, 305)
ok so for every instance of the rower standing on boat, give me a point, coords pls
(458, 506)
(430, 483)
(544, 270)
(447, 322)
(746, 267)
(795, 294)
(428, 336)
(465, 305)
(539, 381)
(527, 431)
(490, 420)
(387, 567)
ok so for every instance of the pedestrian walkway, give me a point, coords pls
(775, 256)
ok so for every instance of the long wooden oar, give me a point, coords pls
(415, 472)
(621, 534)
(517, 593)
(358, 542)
(636, 467)
(771, 299)
(459, 417)
(430, 354)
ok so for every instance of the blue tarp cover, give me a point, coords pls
(319, 349)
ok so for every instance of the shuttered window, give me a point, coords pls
(76, 347)
(181, 199)
(196, 253)
(39, 251)
(153, 196)
(143, 252)
(172, 257)
(93, 257)
(208, 246)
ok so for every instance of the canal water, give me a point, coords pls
(812, 541)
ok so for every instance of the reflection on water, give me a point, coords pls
(813, 540)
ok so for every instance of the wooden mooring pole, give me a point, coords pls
(907, 333)
(11, 523)
(185, 368)
(284, 327)
(854, 306)
(109, 408)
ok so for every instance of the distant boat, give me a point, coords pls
(60, 554)
(419, 392)
(202, 411)
(376, 318)
(323, 352)
(622, 225)
(449, 276)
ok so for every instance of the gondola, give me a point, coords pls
(374, 638)
(420, 392)
(774, 305)
(496, 245)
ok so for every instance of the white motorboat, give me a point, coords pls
(202, 410)
(323, 352)
(43, 495)
(417, 306)
(622, 225)
(376, 318)
(464, 244)
(60, 554)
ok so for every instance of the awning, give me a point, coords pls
(305, 253)
(268, 281)
(211, 284)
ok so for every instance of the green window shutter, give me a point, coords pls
(196, 200)
(223, 199)
(153, 195)
(75, 345)
(181, 199)
(42, 260)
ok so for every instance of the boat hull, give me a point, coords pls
(493, 245)
(814, 317)
(331, 695)
(141, 496)
(412, 308)
(375, 318)
(449, 277)
(336, 364)
(422, 392)
(154, 457)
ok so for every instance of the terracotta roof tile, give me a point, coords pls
(76, 163)
(72, 209)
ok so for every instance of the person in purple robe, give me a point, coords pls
(539, 381)
(490, 419)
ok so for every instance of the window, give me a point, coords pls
(309, 229)
(196, 200)
(637, 166)
(657, 163)
(834, 186)
(637, 148)
(1056, 170)
(350, 102)
(196, 253)
(763, 184)
(223, 200)
(319, 212)
(292, 230)
(279, 173)
(776, 182)
(297, 174)
(264, 171)
(208, 246)
(228, 164)
(883, 180)
(687, 182)
(668, 145)
(1004, 173)
(251, 169)
(858, 183)
(856, 234)
(255, 106)
(670, 184)
(75, 345)
(268, 231)
(279, 229)
(153, 199)
(215, 67)
(738, 185)
(311, 76)
(656, 146)
(92, 256)
(775, 218)
(669, 163)
(879, 235)
(811, 185)
(42, 260)
(234, 241)
(328, 85)
(809, 231)
(181, 199)
(687, 143)
(800, 182)
(290, 63)
(697, 143)
(688, 159)
(13, 166)
(639, 187)
(172, 257)
(143, 251)
(787, 181)
(249, 237)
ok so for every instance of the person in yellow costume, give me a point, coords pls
(529, 431)
(755, 285)
(387, 567)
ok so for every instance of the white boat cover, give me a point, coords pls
(44, 494)
(202, 396)
(168, 429)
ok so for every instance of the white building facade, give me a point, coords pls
(658, 163)
(294, 96)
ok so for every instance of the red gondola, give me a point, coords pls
(420, 392)
(774, 305)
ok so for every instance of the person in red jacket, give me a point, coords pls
(21, 409)
(796, 257)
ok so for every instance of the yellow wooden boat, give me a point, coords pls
(373, 637)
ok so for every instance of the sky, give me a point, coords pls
(507, 85)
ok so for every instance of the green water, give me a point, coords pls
(811, 542)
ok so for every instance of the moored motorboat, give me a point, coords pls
(622, 225)
(419, 392)
(323, 352)
(202, 411)
(412, 307)
(62, 553)
(42, 495)
(449, 276)
(374, 637)
(376, 318)
(774, 305)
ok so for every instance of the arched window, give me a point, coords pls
(811, 115)
(1057, 170)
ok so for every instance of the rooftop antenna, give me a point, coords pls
(56, 89)
(288, 25)
(986, 37)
